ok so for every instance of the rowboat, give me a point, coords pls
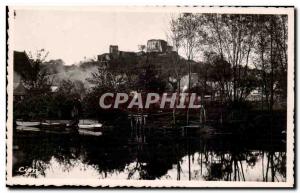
(25, 128)
(52, 124)
(28, 123)
(88, 132)
(92, 129)
(89, 126)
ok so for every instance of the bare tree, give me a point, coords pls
(38, 81)
(188, 27)
(232, 36)
(177, 71)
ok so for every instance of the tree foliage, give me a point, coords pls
(240, 52)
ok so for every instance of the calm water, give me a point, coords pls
(162, 153)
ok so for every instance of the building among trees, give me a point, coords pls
(22, 70)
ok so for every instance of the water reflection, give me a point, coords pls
(222, 167)
(147, 153)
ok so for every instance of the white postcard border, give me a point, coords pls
(159, 183)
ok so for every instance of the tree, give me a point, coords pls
(71, 89)
(232, 37)
(174, 35)
(107, 80)
(220, 72)
(38, 81)
(187, 28)
(150, 81)
(271, 58)
(176, 71)
(142, 48)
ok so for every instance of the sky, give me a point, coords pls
(73, 35)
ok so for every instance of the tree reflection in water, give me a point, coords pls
(145, 153)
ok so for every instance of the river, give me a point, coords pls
(148, 154)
